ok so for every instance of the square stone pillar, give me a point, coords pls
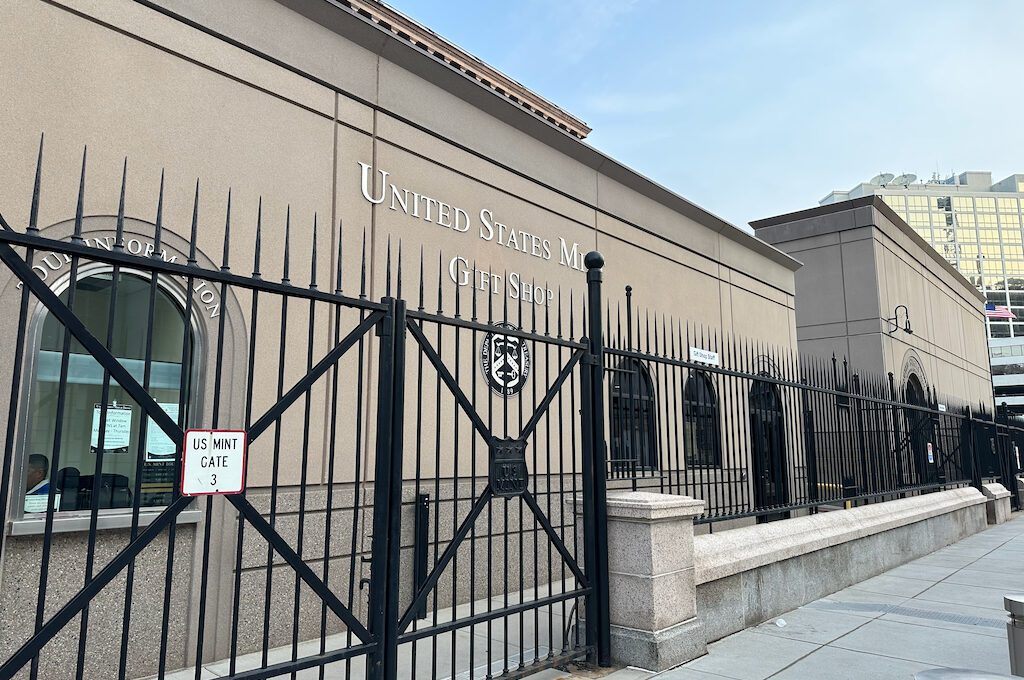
(652, 591)
(997, 505)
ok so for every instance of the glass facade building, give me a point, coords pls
(977, 226)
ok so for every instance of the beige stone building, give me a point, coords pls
(873, 290)
(390, 138)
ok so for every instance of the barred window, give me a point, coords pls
(634, 437)
(703, 445)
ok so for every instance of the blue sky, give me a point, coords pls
(751, 109)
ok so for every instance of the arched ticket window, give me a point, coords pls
(138, 458)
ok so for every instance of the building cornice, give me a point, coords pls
(438, 47)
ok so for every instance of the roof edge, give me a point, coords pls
(881, 206)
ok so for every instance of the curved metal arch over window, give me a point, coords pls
(700, 404)
(138, 458)
(634, 440)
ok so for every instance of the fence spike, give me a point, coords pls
(504, 297)
(362, 269)
(387, 270)
(159, 228)
(33, 212)
(76, 237)
(458, 301)
(474, 301)
(440, 294)
(533, 305)
(572, 314)
(547, 310)
(193, 234)
(287, 244)
(312, 256)
(119, 229)
(258, 249)
(558, 313)
(420, 302)
(398, 272)
(227, 237)
(490, 297)
(339, 265)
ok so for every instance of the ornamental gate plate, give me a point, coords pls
(509, 476)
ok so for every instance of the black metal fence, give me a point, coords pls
(757, 431)
(427, 470)
(404, 514)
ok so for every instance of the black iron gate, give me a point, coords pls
(312, 566)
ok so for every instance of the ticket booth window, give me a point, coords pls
(137, 457)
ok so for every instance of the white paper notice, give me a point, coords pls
(118, 433)
(37, 502)
(159, 446)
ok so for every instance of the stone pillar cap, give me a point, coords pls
(645, 506)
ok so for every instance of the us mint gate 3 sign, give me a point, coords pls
(213, 462)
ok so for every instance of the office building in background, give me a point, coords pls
(975, 224)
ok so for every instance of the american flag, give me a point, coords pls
(998, 312)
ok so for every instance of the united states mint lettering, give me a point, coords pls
(488, 226)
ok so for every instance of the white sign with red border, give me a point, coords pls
(213, 462)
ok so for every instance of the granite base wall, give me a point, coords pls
(739, 600)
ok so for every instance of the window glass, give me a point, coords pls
(1007, 204)
(896, 202)
(71, 466)
(966, 220)
(985, 204)
(702, 436)
(963, 203)
(999, 330)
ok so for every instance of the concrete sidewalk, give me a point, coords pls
(943, 610)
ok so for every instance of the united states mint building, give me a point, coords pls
(328, 345)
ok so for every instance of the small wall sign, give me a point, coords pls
(704, 356)
(213, 462)
(931, 453)
(505, 361)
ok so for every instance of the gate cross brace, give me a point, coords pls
(301, 568)
(467, 405)
(80, 601)
(314, 374)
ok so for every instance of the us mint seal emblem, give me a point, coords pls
(505, 360)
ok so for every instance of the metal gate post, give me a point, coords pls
(595, 454)
(387, 494)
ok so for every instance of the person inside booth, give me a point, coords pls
(37, 483)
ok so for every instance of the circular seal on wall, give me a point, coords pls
(505, 360)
